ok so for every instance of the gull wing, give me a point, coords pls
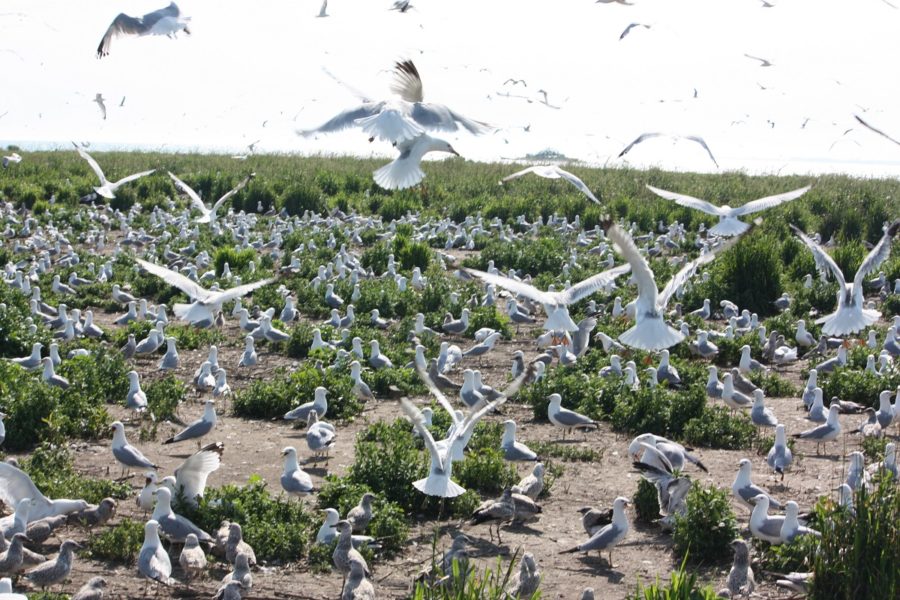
(122, 24)
(407, 82)
(418, 421)
(822, 258)
(577, 182)
(585, 288)
(192, 289)
(441, 398)
(688, 271)
(472, 418)
(194, 196)
(878, 255)
(125, 180)
(345, 119)
(690, 202)
(638, 140)
(241, 290)
(191, 476)
(527, 170)
(151, 18)
(876, 130)
(438, 116)
(646, 283)
(554, 172)
(518, 287)
(234, 191)
(93, 163)
(768, 202)
(15, 485)
(702, 142)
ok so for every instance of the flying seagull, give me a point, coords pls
(630, 27)
(205, 303)
(876, 130)
(763, 61)
(208, 215)
(729, 224)
(851, 315)
(404, 118)
(107, 189)
(405, 171)
(99, 99)
(553, 172)
(165, 21)
(650, 331)
(647, 136)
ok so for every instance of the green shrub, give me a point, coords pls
(301, 197)
(120, 544)
(188, 337)
(716, 427)
(862, 387)
(164, 395)
(237, 259)
(488, 316)
(646, 502)
(411, 254)
(707, 528)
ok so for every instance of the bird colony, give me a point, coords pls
(305, 347)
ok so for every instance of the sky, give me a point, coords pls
(260, 70)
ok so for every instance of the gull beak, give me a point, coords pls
(452, 151)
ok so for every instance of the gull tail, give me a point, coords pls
(651, 334)
(729, 227)
(181, 310)
(443, 487)
(848, 319)
(569, 551)
(399, 174)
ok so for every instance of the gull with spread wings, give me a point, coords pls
(166, 21)
(729, 224)
(107, 189)
(647, 136)
(208, 215)
(851, 315)
(553, 172)
(204, 303)
(650, 331)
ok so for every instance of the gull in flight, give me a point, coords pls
(404, 118)
(13, 159)
(630, 27)
(763, 61)
(165, 21)
(204, 303)
(405, 171)
(646, 136)
(650, 331)
(555, 303)
(107, 189)
(553, 172)
(208, 215)
(729, 224)
(851, 315)
(100, 100)
(876, 130)
(323, 12)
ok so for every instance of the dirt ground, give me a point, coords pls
(254, 446)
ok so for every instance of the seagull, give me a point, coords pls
(791, 528)
(190, 477)
(531, 485)
(610, 535)
(11, 159)
(651, 135)
(851, 315)
(630, 27)
(745, 491)
(127, 455)
(108, 189)
(175, 526)
(650, 331)
(166, 21)
(740, 580)
(663, 453)
(198, 428)
(765, 527)
(294, 480)
(565, 418)
(323, 11)
(553, 172)
(402, 120)
(512, 449)
(319, 404)
(779, 457)
(876, 130)
(99, 99)
(153, 560)
(729, 224)
(205, 302)
(763, 61)
(208, 215)
(405, 170)
(15, 485)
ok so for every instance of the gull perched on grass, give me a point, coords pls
(729, 224)
(108, 189)
(851, 315)
(205, 303)
(650, 331)
(553, 172)
(558, 320)
(208, 215)
(166, 21)
(650, 135)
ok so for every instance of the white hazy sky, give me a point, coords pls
(254, 70)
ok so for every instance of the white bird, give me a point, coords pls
(294, 480)
(108, 189)
(851, 315)
(729, 224)
(15, 485)
(204, 302)
(826, 432)
(553, 172)
(153, 560)
(765, 527)
(650, 331)
(11, 159)
(166, 21)
(745, 491)
(191, 475)
(780, 456)
(650, 135)
(405, 171)
(208, 215)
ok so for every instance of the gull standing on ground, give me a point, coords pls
(650, 331)
(192, 558)
(760, 414)
(166, 21)
(851, 315)
(56, 569)
(513, 450)
(175, 526)
(610, 535)
(126, 454)
(729, 224)
(205, 303)
(319, 404)
(319, 435)
(108, 189)
(553, 172)
(824, 433)
(779, 457)
(565, 418)
(294, 480)
(153, 560)
(762, 525)
(198, 428)
(744, 489)
(740, 580)
(208, 215)
(791, 528)
(533, 484)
